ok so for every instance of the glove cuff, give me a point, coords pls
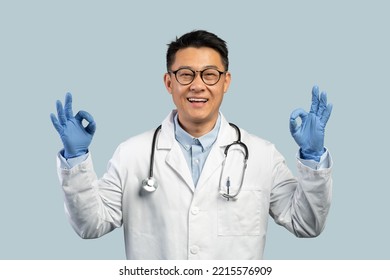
(312, 155)
(78, 153)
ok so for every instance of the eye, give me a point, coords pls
(185, 73)
(207, 74)
(210, 74)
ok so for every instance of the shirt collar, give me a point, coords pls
(187, 140)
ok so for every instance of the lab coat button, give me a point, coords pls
(195, 210)
(194, 250)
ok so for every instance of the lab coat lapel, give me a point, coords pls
(175, 158)
(216, 157)
(213, 162)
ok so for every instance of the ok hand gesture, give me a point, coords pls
(310, 134)
(75, 137)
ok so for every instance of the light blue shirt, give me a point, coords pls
(196, 150)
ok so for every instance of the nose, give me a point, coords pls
(197, 84)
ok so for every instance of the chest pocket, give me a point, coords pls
(247, 215)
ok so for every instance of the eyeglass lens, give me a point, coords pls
(209, 76)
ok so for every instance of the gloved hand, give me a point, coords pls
(310, 134)
(75, 137)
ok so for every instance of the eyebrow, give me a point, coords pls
(204, 67)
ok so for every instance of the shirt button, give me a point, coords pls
(194, 250)
(195, 210)
(196, 161)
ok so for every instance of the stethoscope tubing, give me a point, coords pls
(150, 184)
(152, 151)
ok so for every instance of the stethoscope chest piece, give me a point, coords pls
(149, 184)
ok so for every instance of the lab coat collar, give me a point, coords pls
(166, 139)
(186, 140)
(175, 157)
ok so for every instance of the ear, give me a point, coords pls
(168, 82)
(226, 83)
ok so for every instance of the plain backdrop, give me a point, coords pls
(111, 56)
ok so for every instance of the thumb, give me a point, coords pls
(294, 115)
(83, 115)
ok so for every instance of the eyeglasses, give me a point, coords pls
(186, 76)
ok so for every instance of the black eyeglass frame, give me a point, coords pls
(201, 75)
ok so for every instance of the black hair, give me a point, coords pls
(198, 39)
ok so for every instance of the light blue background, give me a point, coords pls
(111, 56)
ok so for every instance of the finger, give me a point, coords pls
(83, 115)
(56, 123)
(314, 100)
(326, 114)
(91, 128)
(60, 113)
(294, 115)
(68, 106)
(298, 113)
(323, 103)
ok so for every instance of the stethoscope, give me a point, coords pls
(150, 184)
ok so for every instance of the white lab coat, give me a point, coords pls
(179, 221)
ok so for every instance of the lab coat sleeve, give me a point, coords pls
(300, 204)
(323, 163)
(93, 206)
(70, 162)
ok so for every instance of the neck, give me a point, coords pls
(197, 129)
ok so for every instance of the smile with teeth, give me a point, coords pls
(203, 100)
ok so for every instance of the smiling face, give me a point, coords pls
(197, 103)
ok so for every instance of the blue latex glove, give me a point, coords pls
(75, 137)
(310, 134)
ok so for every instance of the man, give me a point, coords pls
(199, 187)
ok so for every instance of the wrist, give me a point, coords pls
(75, 154)
(311, 155)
